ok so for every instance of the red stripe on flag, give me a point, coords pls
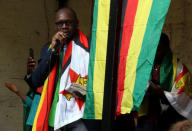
(67, 53)
(184, 71)
(83, 39)
(181, 90)
(42, 120)
(126, 38)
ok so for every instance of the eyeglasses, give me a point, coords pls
(66, 22)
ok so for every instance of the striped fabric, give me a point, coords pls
(167, 75)
(97, 62)
(177, 85)
(141, 25)
(141, 29)
(180, 95)
(41, 117)
(65, 108)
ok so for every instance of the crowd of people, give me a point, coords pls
(67, 55)
(156, 112)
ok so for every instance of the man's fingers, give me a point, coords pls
(152, 84)
(62, 35)
(30, 60)
(59, 36)
(31, 64)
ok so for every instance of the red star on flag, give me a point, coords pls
(75, 78)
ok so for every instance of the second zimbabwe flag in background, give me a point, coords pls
(141, 25)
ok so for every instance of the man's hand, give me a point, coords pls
(61, 37)
(156, 89)
(30, 65)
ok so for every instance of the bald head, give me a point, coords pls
(66, 21)
(69, 11)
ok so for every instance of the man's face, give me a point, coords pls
(162, 50)
(66, 23)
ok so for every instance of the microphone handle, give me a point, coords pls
(56, 46)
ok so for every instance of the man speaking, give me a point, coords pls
(63, 63)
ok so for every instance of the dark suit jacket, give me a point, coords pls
(45, 64)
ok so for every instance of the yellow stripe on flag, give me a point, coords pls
(40, 104)
(174, 61)
(182, 81)
(140, 24)
(100, 55)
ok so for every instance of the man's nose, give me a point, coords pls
(64, 25)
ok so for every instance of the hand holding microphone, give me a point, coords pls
(58, 40)
(55, 47)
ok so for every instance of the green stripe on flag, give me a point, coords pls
(151, 38)
(89, 112)
(56, 96)
(166, 72)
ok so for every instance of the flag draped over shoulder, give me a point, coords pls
(179, 94)
(141, 25)
(175, 79)
(71, 68)
(141, 29)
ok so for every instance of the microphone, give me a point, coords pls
(55, 46)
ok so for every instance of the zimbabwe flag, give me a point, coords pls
(141, 25)
(141, 30)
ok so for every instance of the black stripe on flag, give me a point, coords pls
(109, 87)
